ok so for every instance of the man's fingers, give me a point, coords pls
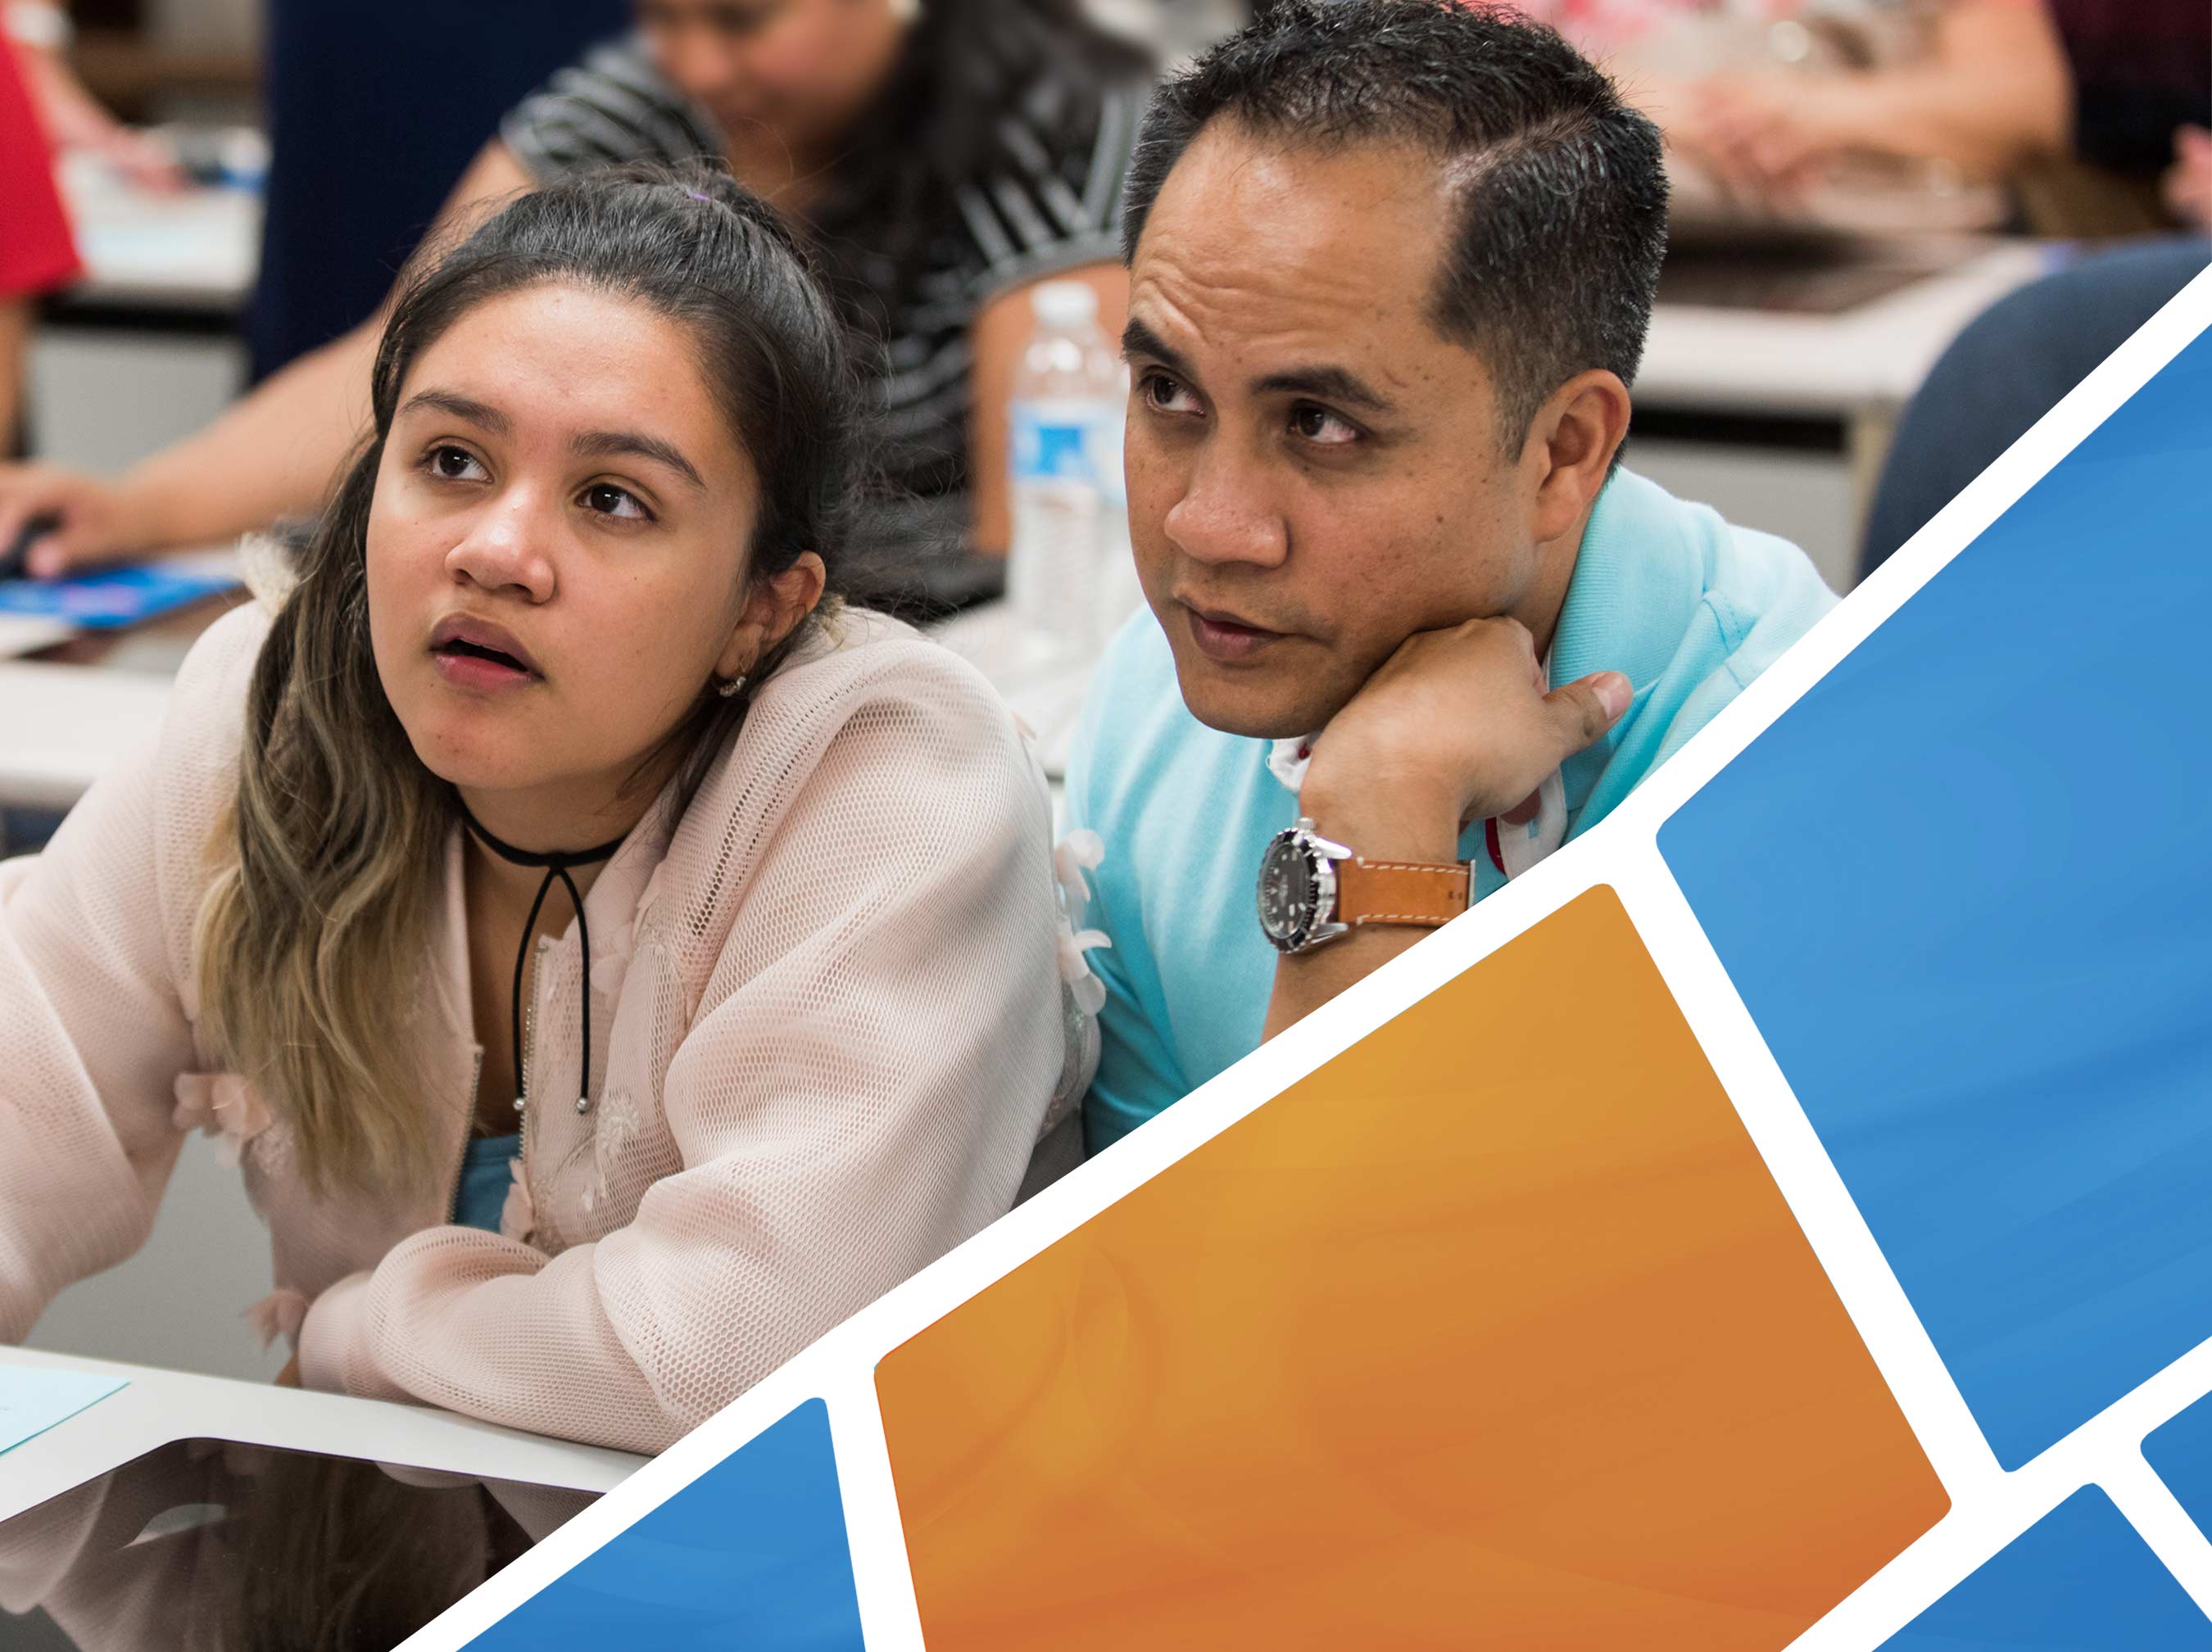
(1583, 710)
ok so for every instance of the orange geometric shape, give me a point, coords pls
(1494, 1331)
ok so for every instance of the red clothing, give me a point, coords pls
(37, 253)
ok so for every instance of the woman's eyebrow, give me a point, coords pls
(480, 414)
(613, 444)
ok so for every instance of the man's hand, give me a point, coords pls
(1455, 727)
(93, 522)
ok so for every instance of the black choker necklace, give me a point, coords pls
(557, 864)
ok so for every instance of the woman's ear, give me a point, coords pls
(774, 609)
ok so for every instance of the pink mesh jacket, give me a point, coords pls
(828, 1027)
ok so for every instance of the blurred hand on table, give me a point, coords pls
(94, 522)
(1765, 138)
(75, 119)
(2187, 185)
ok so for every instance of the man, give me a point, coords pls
(1391, 269)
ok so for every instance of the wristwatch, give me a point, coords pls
(1312, 890)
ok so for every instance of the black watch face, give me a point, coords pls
(1286, 891)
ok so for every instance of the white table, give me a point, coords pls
(196, 250)
(1852, 371)
(62, 726)
(157, 1407)
(1843, 366)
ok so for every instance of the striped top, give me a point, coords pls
(1046, 198)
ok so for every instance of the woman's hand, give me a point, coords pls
(92, 522)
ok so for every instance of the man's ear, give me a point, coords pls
(773, 609)
(1571, 445)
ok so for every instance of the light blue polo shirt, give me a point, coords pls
(1690, 608)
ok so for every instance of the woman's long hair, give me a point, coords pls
(311, 939)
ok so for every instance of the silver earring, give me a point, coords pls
(734, 687)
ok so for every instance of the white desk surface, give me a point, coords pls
(196, 249)
(158, 1406)
(62, 726)
(1868, 359)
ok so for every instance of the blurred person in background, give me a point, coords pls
(37, 253)
(1763, 104)
(939, 156)
(2141, 72)
(2079, 106)
(2140, 101)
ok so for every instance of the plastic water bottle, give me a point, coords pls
(1064, 428)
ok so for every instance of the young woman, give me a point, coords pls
(940, 155)
(558, 639)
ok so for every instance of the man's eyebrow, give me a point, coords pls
(479, 414)
(1137, 339)
(1324, 384)
(614, 444)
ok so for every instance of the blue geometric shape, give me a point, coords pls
(2181, 1451)
(753, 1553)
(2079, 1579)
(1965, 889)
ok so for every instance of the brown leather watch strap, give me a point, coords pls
(1422, 892)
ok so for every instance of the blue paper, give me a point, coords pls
(33, 1398)
(110, 600)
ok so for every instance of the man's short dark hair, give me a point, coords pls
(1562, 215)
